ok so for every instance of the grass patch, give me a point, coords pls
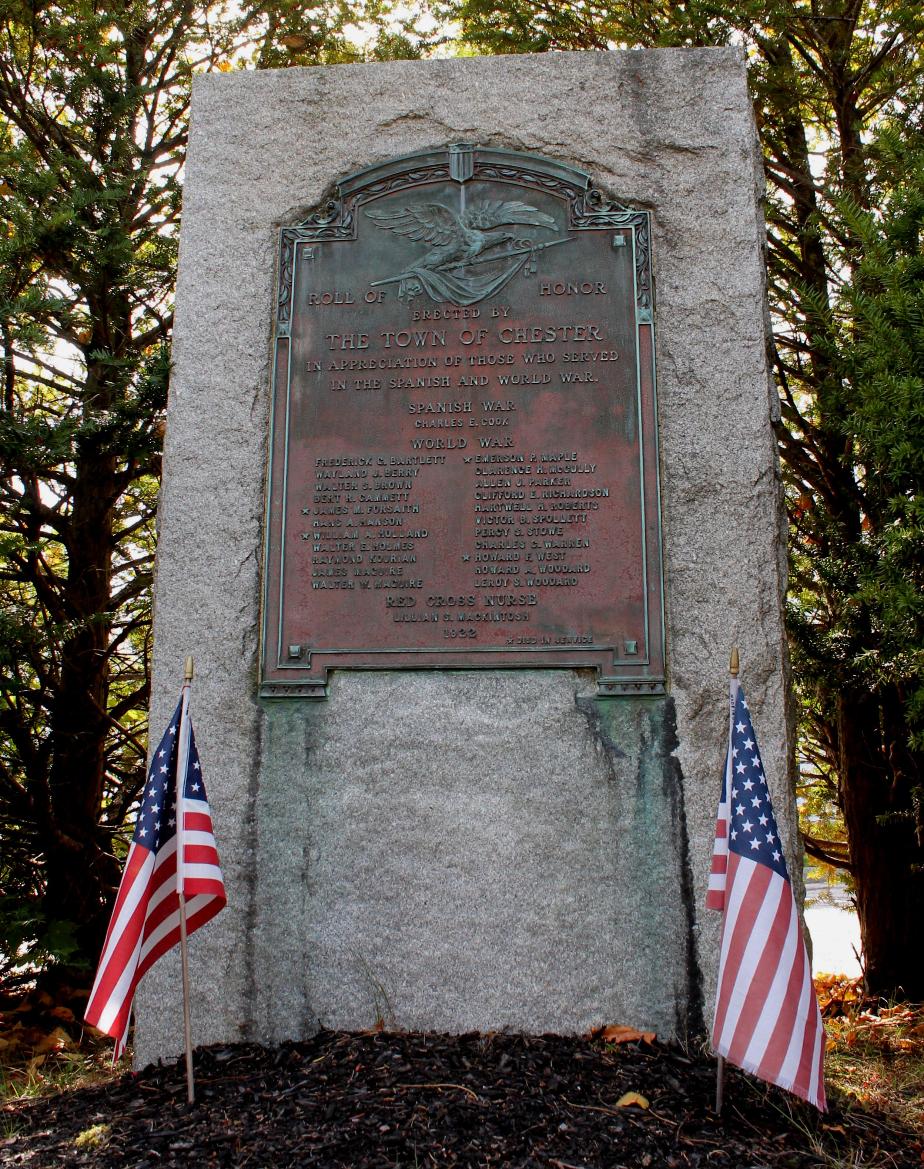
(46, 1075)
(45, 1048)
(875, 1055)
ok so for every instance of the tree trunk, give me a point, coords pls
(886, 850)
(80, 870)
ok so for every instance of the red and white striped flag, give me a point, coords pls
(146, 919)
(767, 1019)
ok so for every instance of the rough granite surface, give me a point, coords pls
(471, 849)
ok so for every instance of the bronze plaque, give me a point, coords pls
(464, 463)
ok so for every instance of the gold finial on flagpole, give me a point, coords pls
(733, 664)
(188, 670)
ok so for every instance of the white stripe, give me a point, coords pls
(203, 872)
(122, 1039)
(199, 807)
(776, 993)
(129, 905)
(163, 887)
(753, 950)
(198, 837)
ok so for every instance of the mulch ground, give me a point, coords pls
(398, 1099)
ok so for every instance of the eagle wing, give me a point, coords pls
(431, 222)
(490, 214)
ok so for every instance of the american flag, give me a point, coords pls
(146, 919)
(767, 1019)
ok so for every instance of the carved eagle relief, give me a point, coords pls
(460, 240)
(456, 238)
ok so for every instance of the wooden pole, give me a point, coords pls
(733, 667)
(719, 1084)
(181, 769)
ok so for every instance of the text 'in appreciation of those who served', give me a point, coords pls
(464, 468)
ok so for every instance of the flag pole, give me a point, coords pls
(733, 667)
(181, 769)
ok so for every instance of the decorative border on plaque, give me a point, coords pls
(626, 669)
(461, 162)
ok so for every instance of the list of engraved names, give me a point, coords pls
(474, 509)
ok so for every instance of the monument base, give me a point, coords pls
(472, 848)
(470, 851)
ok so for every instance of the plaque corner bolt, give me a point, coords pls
(295, 652)
(619, 240)
(631, 647)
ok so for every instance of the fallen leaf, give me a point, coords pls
(630, 1098)
(65, 1014)
(620, 1034)
(57, 1040)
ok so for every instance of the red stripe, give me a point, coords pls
(782, 1032)
(160, 913)
(803, 1077)
(715, 897)
(200, 854)
(133, 864)
(172, 936)
(117, 1026)
(206, 913)
(137, 855)
(107, 979)
(199, 886)
(167, 942)
(755, 1001)
(197, 821)
(119, 963)
(734, 946)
